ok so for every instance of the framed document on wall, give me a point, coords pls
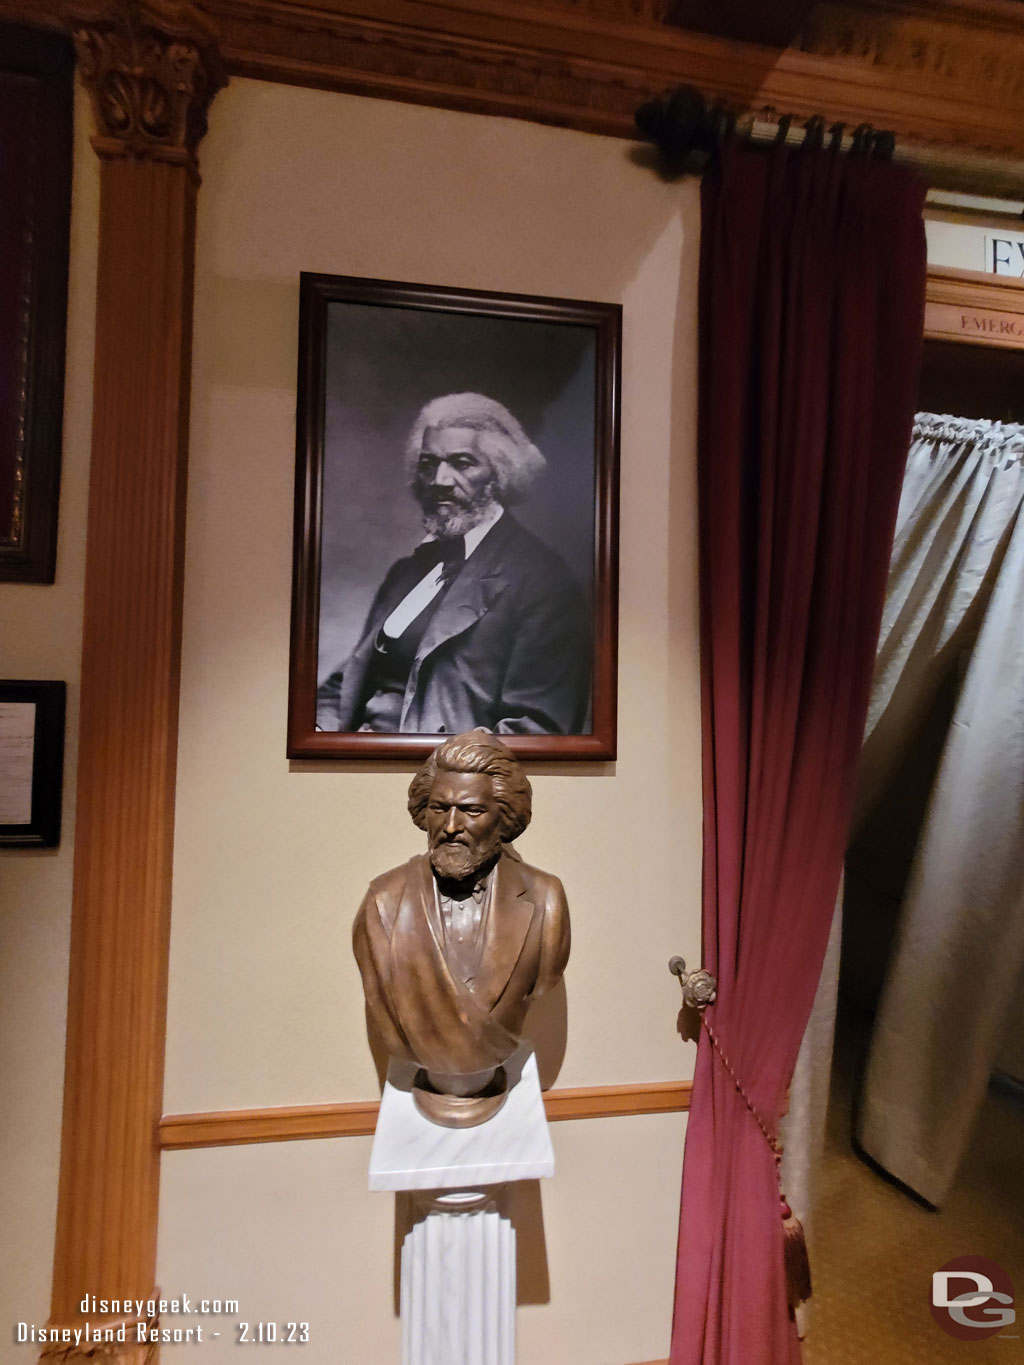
(36, 70)
(455, 521)
(31, 763)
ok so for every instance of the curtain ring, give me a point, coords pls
(814, 133)
(862, 138)
(835, 135)
(782, 132)
(884, 146)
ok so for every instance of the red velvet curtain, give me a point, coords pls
(811, 316)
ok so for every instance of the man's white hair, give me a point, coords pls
(515, 461)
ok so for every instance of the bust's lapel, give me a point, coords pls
(508, 923)
(427, 901)
(418, 912)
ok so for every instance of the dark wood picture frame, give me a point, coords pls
(514, 326)
(49, 700)
(36, 84)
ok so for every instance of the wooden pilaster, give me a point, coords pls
(151, 68)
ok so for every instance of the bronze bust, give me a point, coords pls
(455, 945)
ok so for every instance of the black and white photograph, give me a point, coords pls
(455, 528)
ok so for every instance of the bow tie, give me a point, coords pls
(450, 551)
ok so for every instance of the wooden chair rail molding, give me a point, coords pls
(948, 76)
(231, 1127)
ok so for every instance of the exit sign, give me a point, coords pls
(1004, 254)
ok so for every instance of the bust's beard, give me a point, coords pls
(454, 862)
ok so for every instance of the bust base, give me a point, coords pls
(459, 1111)
(412, 1153)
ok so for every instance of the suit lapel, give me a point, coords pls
(469, 597)
(480, 581)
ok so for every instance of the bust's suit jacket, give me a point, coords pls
(421, 1011)
(508, 647)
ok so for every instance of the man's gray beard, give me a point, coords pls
(455, 519)
(447, 522)
(457, 862)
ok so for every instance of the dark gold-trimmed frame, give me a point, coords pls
(35, 207)
(318, 293)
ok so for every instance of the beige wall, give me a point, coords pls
(271, 858)
(41, 637)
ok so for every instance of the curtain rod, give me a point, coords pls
(686, 127)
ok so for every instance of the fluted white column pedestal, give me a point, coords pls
(458, 1265)
(459, 1283)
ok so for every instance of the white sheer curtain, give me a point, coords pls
(939, 829)
(953, 623)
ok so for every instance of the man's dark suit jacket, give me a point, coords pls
(508, 647)
(418, 1008)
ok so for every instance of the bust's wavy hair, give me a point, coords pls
(477, 751)
(515, 461)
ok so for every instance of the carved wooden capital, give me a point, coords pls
(105, 1344)
(152, 67)
(101, 1354)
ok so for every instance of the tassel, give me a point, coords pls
(795, 1258)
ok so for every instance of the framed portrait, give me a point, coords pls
(36, 78)
(456, 521)
(31, 763)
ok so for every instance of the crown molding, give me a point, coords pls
(945, 76)
(952, 76)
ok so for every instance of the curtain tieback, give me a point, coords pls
(699, 990)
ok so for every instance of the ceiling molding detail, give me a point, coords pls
(987, 60)
(949, 74)
(953, 76)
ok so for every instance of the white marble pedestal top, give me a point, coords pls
(411, 1153)
(458, 1265)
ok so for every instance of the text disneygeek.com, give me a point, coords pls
(139, 1321)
